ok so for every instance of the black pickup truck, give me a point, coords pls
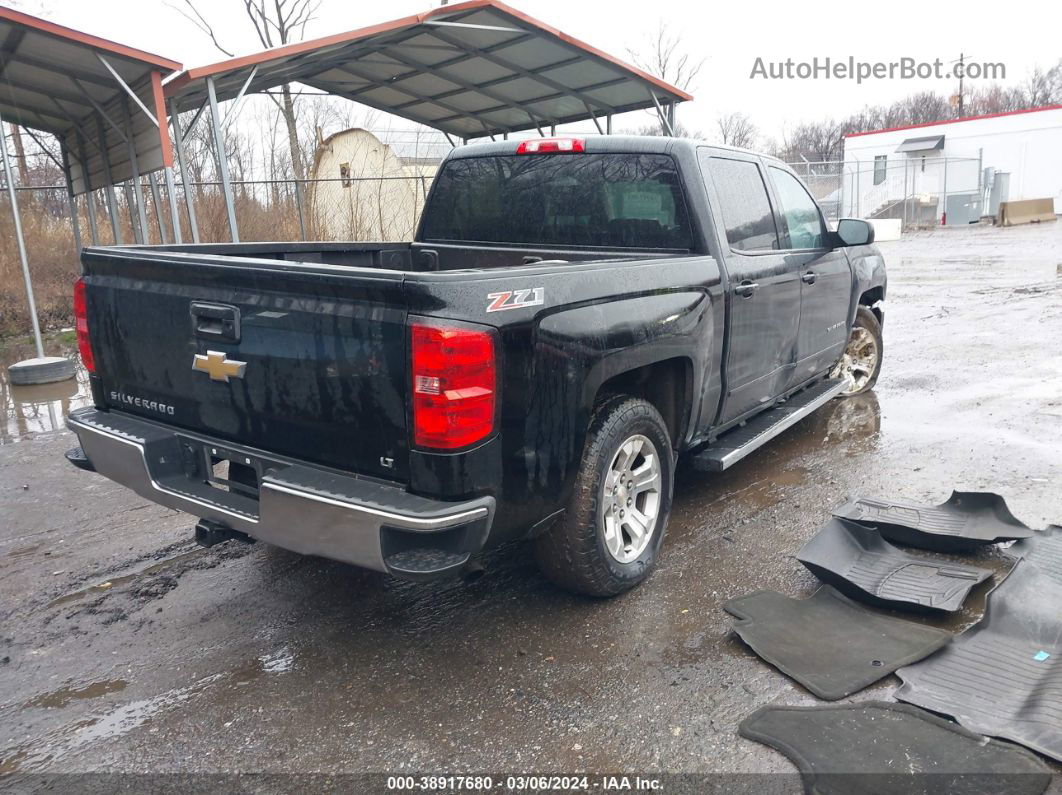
(574, 315)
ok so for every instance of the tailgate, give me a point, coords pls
(322, 349)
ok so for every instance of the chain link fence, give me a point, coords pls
(918, 191)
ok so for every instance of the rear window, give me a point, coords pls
(606, 200)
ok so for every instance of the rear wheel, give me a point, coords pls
(861, 363)
(608, 539)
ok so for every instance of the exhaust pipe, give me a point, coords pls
(472, 572)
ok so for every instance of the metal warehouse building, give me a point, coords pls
(956, 170)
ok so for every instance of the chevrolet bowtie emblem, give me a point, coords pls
(218, 366)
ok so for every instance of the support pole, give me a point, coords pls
(156, 199)
(130, 203)
(905, 195)
(21, 244)
(593, 117)
(112, 201)
(175, 219)
(858, 191)
(944, 212)
(166, 146)
(665, 123)
(134, 164)
(75, 224)
(90, 195)
(223, 165)
(189, 202)
(94, 231)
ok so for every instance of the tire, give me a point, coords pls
(863, 354)
(575, 553)
(46, 370)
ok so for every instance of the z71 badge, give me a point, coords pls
(516, 299)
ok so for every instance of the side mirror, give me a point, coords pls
(855, 232)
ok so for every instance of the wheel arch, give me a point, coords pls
(666, 384)
(873, 299)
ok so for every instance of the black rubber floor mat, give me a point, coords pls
(966, 520)
(856, 560)
(1044, 549)
(886, 748)
(1003, 677)
(828, 643)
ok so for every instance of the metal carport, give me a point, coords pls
(102, 100)
(471, 70)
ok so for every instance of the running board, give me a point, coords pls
(734, 445)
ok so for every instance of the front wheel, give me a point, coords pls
(608, 539)
(861, 363)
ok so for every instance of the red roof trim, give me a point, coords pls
(174, 86)
(954, 121)
(87, 40)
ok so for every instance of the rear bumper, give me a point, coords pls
(300, 507)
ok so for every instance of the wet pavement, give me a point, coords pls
(124, 647)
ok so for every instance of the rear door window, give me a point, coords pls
(570, 200)
(746, 208)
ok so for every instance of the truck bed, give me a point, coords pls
(409, 257)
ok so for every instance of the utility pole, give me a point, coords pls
(962, 73)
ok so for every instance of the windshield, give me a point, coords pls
(605, 200)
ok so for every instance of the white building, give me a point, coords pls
(957, 169)
(362, 190)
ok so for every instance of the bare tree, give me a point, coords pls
(1044, 88)
(276, 23)
(994, 98)
(925, 106)
(817, 142)
(665, 57)
(737, 129)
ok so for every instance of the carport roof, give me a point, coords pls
(70, 84)
(472, 69)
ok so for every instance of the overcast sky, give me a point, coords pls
(728, 35)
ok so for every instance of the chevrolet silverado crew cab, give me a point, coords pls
(573, 315)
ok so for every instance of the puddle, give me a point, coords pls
(29, 410)
(64, 695)
(115, 722)
(115, 582)
(278, 662)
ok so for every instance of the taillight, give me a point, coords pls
(81, 325)
(540, 146)
(454, 380)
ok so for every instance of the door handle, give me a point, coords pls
(746, 289)
(218, 322)
(809, 277)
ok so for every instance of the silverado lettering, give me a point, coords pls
(131, 400)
